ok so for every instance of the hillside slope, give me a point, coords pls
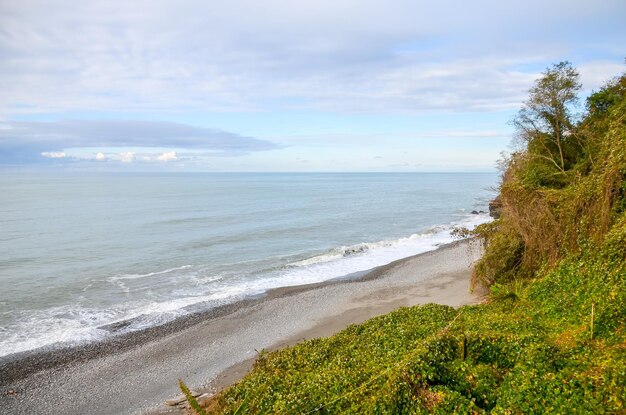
(551, 338)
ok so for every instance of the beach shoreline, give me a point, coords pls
(210, 350)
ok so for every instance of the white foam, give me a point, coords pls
(415, 243)
(317, 259)
(364, 256)
(68, 325)
(149, 274)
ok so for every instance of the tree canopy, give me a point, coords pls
(546, 121)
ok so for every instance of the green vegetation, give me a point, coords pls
(551, 338)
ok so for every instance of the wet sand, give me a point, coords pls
(136, 373)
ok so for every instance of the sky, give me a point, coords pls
(363, 85)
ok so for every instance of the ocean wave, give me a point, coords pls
(67, 325)
(73, 325)
(149, 274)
(436, 232)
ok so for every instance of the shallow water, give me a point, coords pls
(79, 252)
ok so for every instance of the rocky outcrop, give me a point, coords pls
(495, 208)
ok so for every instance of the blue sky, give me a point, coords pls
(269, 85)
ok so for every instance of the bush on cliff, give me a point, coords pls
(549, 212)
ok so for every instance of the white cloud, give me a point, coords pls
(53, 154)
(347, 56)
(168, 156)
(34, 138)
(595, 74)
(101, 157)
(127, 157)
(171, 60)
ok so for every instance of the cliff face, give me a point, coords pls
(546, 214)
(495, 208)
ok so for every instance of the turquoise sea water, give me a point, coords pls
(79, 252)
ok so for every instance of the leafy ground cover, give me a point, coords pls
(531, 352)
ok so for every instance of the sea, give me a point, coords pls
(80, 253)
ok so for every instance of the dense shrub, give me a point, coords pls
(548, 214)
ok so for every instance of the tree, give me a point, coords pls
(608, 96)
(545, 122)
